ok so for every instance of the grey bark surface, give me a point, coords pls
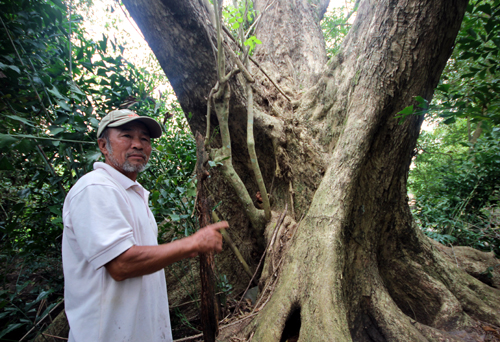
(348, 263)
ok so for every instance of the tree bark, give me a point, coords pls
(209, 310)
(348, 263)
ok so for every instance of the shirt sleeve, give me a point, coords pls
(101, 223)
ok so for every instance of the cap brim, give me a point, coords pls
(153, 126)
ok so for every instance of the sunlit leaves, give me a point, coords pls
(252, 42)
(470, 85)
(48, 133)
(335, 26)
(456, 186)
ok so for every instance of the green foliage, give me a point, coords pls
(48, 141)
(252, 42)
(238, 16)
(335, 26)
(457, 187)
(171, 175)
(470, 85)
(28, 299)
(422, 109)
(455, 179)
(242, 18)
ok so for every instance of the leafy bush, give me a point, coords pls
(457, 193)
(456, 174)
(50, 105)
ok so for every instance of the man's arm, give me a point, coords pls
(142, 260)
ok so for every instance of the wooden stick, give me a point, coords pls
(209, 312)
(58, 337)
(189, 338)
(257, 64)
(41, 320)
(233, 247)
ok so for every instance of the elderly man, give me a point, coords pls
(115, 286)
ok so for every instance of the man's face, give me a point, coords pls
(129, 148)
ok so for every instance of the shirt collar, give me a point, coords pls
(119, 177)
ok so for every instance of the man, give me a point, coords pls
(115, 286)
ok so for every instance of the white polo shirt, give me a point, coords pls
(104, 214)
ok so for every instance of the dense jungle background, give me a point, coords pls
(57, 81)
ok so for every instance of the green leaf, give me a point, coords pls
(450, 120)
(486, 8)
(155, 195)
(490, 25)
(13, 67)
(407, 111)
(79, 55)
(54, 130)
(56, 93)
(103, 43)
(25, 146)
(175, 217)
(55, 209)
(23, 194)
(18, 118)
(472, 32)
(74, 88)
(63, 105)
(444, 87)
(94, 122)
(5, 164)
(6, 140)
(92, 156)
(102, 72)
(11, 328)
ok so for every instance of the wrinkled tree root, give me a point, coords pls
(423, 297)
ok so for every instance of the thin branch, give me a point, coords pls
(209, 106)
(224, 155)
(220, 52)
(190, 302)
(253, 155)
(226, 78)
(25, 136)
(51, 168)
(41, 320)
(58, 337)
(233, 247)
(354, 9)
(270, 79)
(256, 64)
(69, 42)
(189, 338)
(240, 65)
(29, 77)
(259, 18)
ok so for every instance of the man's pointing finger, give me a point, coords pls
(219, 225)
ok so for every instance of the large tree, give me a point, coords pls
(347, 262)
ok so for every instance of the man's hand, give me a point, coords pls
(209, 239)
(141, 260)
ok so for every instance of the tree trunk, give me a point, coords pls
(209, 312)
(348, 263)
